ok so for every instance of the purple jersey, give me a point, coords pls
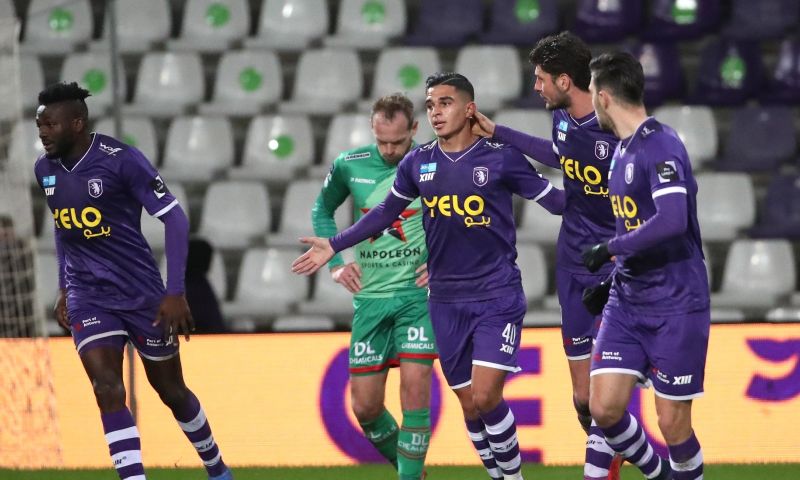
(97, 208)
(467, 215)
(671, 277)
(584, 151)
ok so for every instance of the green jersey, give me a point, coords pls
(389, 259)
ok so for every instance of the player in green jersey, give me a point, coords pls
(391, 326)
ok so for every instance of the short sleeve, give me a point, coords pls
(405, 185)
(666, 167)
(145, 183)
(522, 178)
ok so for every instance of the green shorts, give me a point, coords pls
(389, 330)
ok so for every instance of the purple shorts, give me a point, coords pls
(668, 352)
(485, 333)
(95, 327)
(578, 326)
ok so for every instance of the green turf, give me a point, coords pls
(379, 472)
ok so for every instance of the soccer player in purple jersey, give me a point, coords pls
(476, 300)
(656, 322)
(111, 291)
(582, 150)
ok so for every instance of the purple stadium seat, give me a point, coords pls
(784, 85)
(779, 215)
(760, 138)
(729, 73)
(521, 22)
(663, 73)
(680, 20)
(762, 19)
(607, 20)
(446, 23)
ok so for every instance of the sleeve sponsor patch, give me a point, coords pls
(159, 187)
(667, 171)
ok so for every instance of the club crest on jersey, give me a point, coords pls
(95, 187)
(480, 175)
(601, 149)
(628, 173)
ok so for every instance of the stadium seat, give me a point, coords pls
(153, 228)
(663, 73)
(303, 323)
(607, 20)
(521, 22)
(494, 71)
(197, 149)
(15, 189)
(759, 274)
(784, 85)
(759, 139)
(266, 286)
(93, 72)
(368, 24)
(725, 205)
(761, 20)
(533, 267)
(216, 272)
(446, 23)
(425, 132)
(137, 132)
(212, 25)
(538, 225)
(295, 218)
(7, 9)
(26, 94)
(246, 82)
(404, 69)
(290, 24)
(696, 127)
(784, 314)
(167, 83)
(729, 73)
(678, 20)
(56, 27)
(542, 318)
(46, 282)
(325, 82)
(277, 147)
(330, 298)
(25, 143)
(347, 131)
(779, 215)
(141, 25)
(225, 223)
(538, 123)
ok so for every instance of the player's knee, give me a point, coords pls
(485, 400)
(604, 414)
(110, 393)
(365, 410)
(674, 426)
(174, 397)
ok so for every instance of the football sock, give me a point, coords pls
(598, 455)
(480, 439)
(412, 443)
(193, 422)
(627, 438)
(124, 444)
(383, 433)
(502, 432)
(686, 460)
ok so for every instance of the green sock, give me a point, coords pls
(412, 443)
(382, 432)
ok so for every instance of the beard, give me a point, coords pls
(605, 121)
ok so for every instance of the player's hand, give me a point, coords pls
(60, 310)
(318, 255)
(595, 298)
(482, 125)
(596, 256)
(422, 278)
(175, 315)
(348, 275)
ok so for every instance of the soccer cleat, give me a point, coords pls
(226, 475)
(616, 464)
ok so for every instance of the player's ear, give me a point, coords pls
(471, 109)
(563, 82)
(414, 126)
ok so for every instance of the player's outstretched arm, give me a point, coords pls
(539, 149)
(482, 125)
(554, 201)
(315, 257)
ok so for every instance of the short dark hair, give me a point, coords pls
(564, 53)
(453, 79)
(621, 73)
(390, 105)
(66, 92)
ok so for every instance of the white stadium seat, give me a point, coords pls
(330, 298)
(212, 25)
(246, 83)
(495, 73)
(368, 24)
(533, 267)
(725, 205)
(198, 149)
(141, 25)
(225, 224)
(696, 127)
(93, 72)
(57, 27)
(137, 132)
(31, 83)
(303, 323)
(346, 132)
(404, 70)
(290, 24)
(167, 83)
(326, 81)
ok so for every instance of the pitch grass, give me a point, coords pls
(380, 472)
